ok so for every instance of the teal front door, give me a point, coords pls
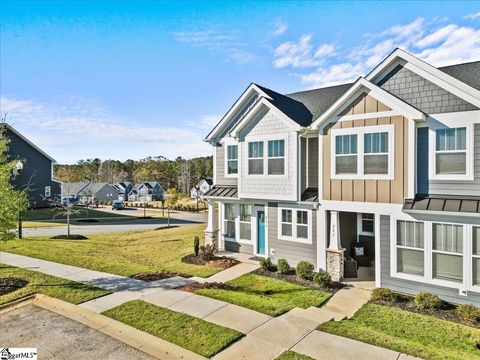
(261, 232)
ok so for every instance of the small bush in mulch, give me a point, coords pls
(468, 312)
(158, 275)
(322, 278)
(10, 284)
(215, 285)
(69, 237)
(425, 300)
(216, 262)
(282, 266)
(384, 294)
(446, 311)
(266, 264)
(304, 270)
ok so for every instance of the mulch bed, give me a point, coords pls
(71, 237)
(447, 312)
(216, 262)
(158, 275)
(10, 284)
(215, 285)
(291, 277)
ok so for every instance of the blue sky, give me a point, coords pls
(131, 79)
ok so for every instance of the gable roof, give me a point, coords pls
(74, 188)
(469, 73)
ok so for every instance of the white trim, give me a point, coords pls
(294, 209)
(378, 268)
(426, 71)
(412, 159)
(360, 132)
(360, 225)
(265, 139)
(320, 166)
(226, 142)
(321, 239)
(372, 115)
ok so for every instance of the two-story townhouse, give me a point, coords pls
(380, 177)
(146, 191)
(200, 188)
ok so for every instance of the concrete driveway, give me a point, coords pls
(177, 218)
(57, 337)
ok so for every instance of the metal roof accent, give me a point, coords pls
(310, 195)
(443, 203)
(221, 191)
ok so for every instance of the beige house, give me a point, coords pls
(377, 180)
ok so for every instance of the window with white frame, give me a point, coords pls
(276, 157)
(346, 154)
(410, 246)
(48, 191)
(229, 220)
(294, 225)
(302, 224)
(286, 223)
(375, 158)
(476, 255)
(447, 252)
(232, 159)
(255, 158)
(451, 151)
(245, 222)
(367, 225)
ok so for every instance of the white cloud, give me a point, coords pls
(81, 129)
(280, 28)
(301, 54)
(434, 41)
(473, 16)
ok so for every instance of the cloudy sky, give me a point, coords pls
(133, 79)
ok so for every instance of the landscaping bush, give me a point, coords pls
(425, 300)
(282, 266)
(208, 251)
(304, 270)
(196, 245)
(383, 294)
(323, 278)
(266, 264)
(468, 312)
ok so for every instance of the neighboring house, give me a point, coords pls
(201, 188)
(123, 189)
(37, 172)
(146, 191)
(382, 175)
(90, 192)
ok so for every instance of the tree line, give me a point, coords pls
(181, 174)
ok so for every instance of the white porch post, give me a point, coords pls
(335, 252)
(211, 232)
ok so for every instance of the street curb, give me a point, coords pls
(15, 304)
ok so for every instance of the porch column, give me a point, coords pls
(211, 232)
(335, 252)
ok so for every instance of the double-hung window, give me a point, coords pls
(476, 255)
(229, 221)
(232, 159)
(410, 247)
(245, 222)
(451, 151)
(302, 224)
(367, 224)
(255, 158)
(346, 154)
(276, 157)
(375, 158)
(447, 252)
(286, 223)
(294, 225)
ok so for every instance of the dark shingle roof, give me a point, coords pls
(469, 73)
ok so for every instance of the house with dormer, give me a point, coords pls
(377, 179)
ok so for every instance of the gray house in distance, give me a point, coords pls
(147, 191)
(123, 189)
(90, 192)
(37, 172)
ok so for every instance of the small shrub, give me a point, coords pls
(208, 251)
(468, 312)
(266, 264)
(383, 294)
(282, 266)
(425, 300)
(196, 245)
(304, 270)
(323, 278)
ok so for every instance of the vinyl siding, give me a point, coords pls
(412, 287)
(238, 247)
(220, 168)
(290, 250)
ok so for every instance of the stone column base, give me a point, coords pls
(211, 238)
(335, 262)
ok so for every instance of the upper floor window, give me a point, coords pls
(255, 158)
(276, 157)
(451, 151)
(346, 154)
(375, 158)
(232, 159)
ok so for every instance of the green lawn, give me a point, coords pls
(41, 224)
(49, 214)
(67, 290)
(266, 295)
(411, 333)
(189, 332)
(120, 253)
(292, 355)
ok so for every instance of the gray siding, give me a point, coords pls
(104, 193)
(445, 187)
(313, 162)
(421, 93)
(238, 247)
(36, 173)
(303, 164)
(220, 167)
(412, 287)
(292, 251)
